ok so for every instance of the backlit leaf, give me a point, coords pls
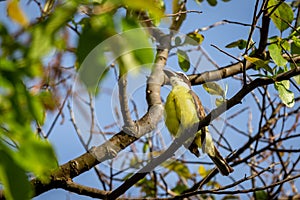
(241, 44)
(202, 171)
(231, 197)
(282, 15)
(261, 195)
(39, 165)
(13, 178)
(194, 38)
(286, 96)
(179, 188)
(297, 79)
(178, 167)
(149, 5)
(276, 55)
(183, 60)
(214, 88)
(259, 63)
(141, 48)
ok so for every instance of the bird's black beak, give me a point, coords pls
(168, 74)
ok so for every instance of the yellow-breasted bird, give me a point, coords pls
(183, 108)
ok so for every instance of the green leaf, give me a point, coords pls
(93, 45)
(36, 108)
(194, 38)
(212, 2)
(241, 44)
(147, 186)
(286, 96)
(259, 63)
(296, 41)
(41, 43)
(179, 188)
(285, 83)
(141, 48)
(297, 79)
(60, 17)
(214, 88)
(231, 197)
(285, 45)
(183, 60)
(295, 46)
(151, 6)
(282, 15)
(31, 148)
(13, 178)
(275, 53)
(95, 31)
(178, 167)
(261, 195)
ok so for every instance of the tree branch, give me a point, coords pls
(122, 139)
(236, 99)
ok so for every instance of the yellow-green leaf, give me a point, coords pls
(194, 38)
(214, 89)
(16, 13)
(41, 166)
(275, 53)
(261, 195)
(178, 167)
(13, 178)
(282, 16)
(259, 63)
(297, 79)
(202, 171)
(179, 188)
(149, 5)
(183, 60)
(141, 49)
(286, 96)
(241, 44)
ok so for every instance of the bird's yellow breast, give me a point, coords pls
(180, 110)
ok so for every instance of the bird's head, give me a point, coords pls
(177, 78)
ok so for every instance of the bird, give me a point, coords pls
(183, 108)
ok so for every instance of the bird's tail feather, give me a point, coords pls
(221, 163)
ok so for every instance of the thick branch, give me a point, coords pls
(229, 71)
(219, 74)
(119, 141)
